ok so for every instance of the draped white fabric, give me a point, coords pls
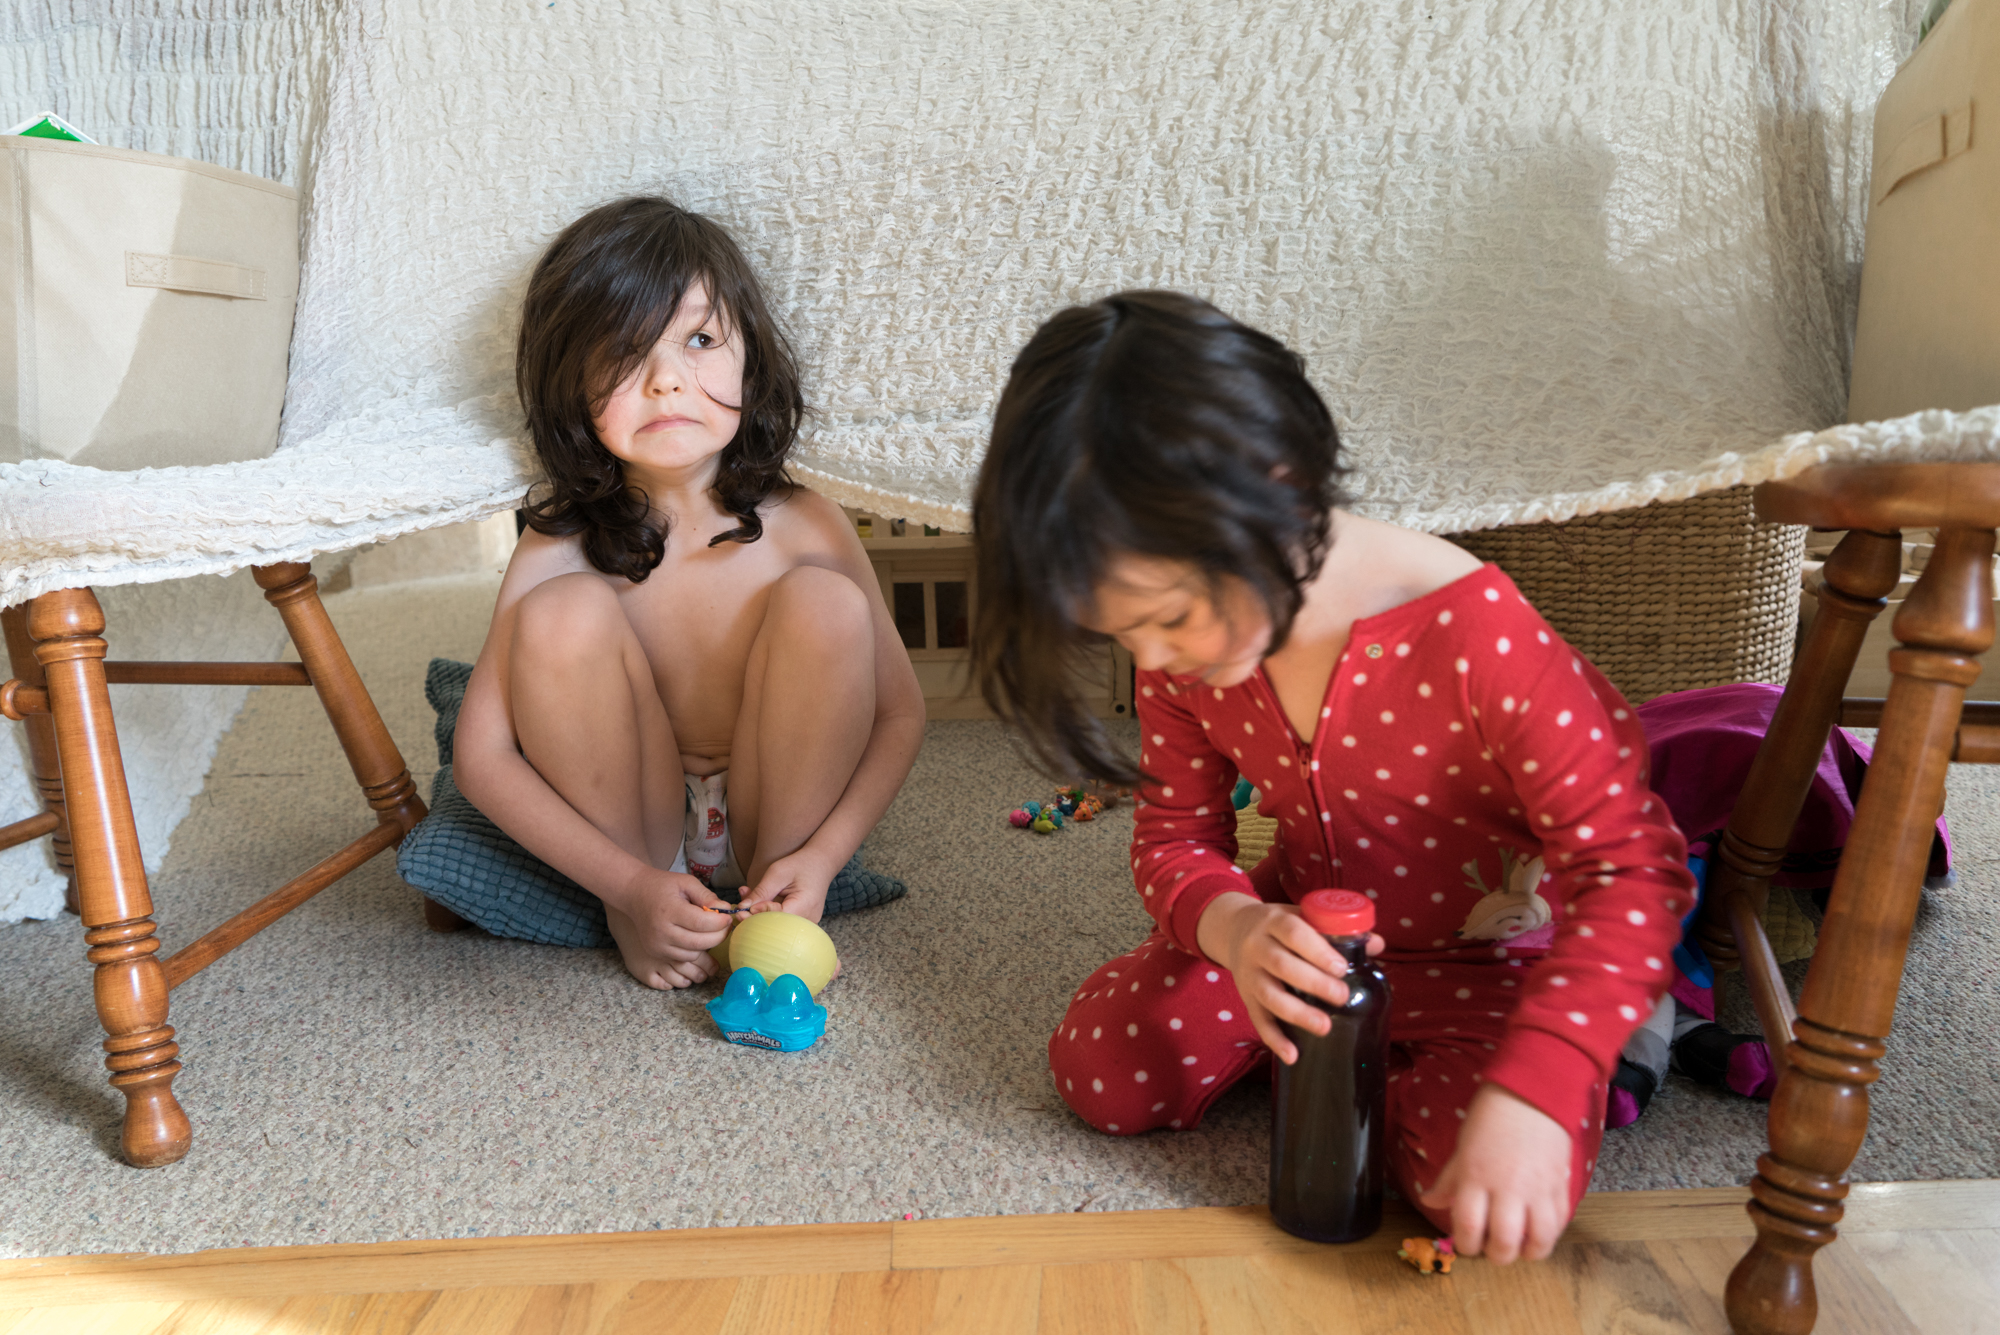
(1543, 259)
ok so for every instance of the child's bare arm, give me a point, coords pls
(1507, 1186)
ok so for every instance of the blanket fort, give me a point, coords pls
(1541, 260)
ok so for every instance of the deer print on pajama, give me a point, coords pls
(1480, 781)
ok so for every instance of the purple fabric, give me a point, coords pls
(1702, 744)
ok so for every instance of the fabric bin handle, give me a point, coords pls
(1933, 140)
(183, 273)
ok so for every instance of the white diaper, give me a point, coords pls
(707, 853)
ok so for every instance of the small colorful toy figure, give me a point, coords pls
(1428, 1256)
(1048, 817)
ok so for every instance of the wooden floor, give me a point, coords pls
(1913, 1257)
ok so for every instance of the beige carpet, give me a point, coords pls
(353, 1077)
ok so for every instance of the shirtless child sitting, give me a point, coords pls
(691, 681)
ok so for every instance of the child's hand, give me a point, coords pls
(1266, 946)
(1508, 1181)
(664, 928)
(796, 883)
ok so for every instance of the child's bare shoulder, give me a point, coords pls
(813, 530)
(538, 558)
(1396, 565)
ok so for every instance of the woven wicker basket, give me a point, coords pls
(1663, 598)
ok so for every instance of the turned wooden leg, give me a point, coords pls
(441, 919)
(42, 756)
(1820, 1112)
(66, 630)
(378, 765)
(1859, 576)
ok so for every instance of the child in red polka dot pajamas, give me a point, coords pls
(1162, 475)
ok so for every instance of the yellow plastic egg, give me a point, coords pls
(781, 943)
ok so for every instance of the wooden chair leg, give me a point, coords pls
(441, 919)
(1820, 1112)
(66, 628)
(1860, 574)
(43, 759)
(378, 765)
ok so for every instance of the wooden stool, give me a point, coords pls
(54, 644)
(1820, 1111)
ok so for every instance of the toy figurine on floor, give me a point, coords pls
(1429, 1256)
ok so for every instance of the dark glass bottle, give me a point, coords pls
(1328, 1108)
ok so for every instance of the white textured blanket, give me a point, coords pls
(1543, 259)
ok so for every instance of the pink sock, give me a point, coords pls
(1750, 1071)
(1621, 1109)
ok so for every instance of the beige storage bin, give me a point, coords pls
(145, 306)
(1928, 333)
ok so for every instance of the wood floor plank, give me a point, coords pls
(1635, 1263)
(316, 1314)
(1697, 1268)
(988, 1300)
(1939, 1286)
(1057, 1239)
(885, 1302)
(567, 1309)
(1617, 1288)
(1092, 1298)
(1520, 1298)
(392, 1313)
(224, 1316)
(1398, 1301)
(453, 1263)
(1297, 1293)
(1198, 1295)
(1876, 1207)
(782, 1305)
(1648, 1216)
(673, 1307)
(1851, 1299)
(459, 1311)
(96, 1319)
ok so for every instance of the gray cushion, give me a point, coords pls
(468, 864)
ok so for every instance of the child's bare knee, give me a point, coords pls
(567, 616)
(826, 603)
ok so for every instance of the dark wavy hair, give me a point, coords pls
(600, 298)
(1147, 423)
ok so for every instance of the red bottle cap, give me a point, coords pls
(1339, 912)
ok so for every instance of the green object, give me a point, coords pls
(1244, 791)
(48, 125)
(1931, 16)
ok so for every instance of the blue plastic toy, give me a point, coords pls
(780, 1016)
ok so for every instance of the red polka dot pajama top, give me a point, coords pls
(1480, 781)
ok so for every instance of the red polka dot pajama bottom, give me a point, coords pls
(1155, 1035)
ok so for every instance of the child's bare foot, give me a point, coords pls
(666, 969)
